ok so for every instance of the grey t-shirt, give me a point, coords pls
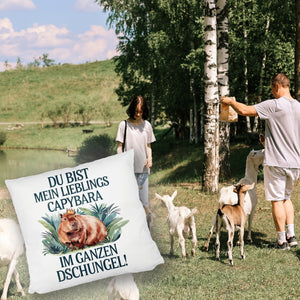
(137, 138)
(282, 131)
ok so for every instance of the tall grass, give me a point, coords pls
(27, 94)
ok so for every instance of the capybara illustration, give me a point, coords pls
(78, 231)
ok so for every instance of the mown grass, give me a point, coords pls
(32, 136)
(265, 274)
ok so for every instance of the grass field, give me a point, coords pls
(26, 95)
(264, 274)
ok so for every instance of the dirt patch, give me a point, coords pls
(4, 194)
(190, 186)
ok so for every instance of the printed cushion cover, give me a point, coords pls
(82, 224)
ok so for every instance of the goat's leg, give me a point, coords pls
(181, 240)
(10, 270)
(218, 229)
(206, 245)
(230, 244)
(250, 219)
(194, 238)
(172, 244)
(19, 286)
(242, 230)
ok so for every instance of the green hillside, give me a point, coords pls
(27, 95)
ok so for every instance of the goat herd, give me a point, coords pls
(236, 203)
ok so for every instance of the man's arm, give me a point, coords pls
(241, 108)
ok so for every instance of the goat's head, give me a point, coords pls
(166, 199)
(243, 188)
(256, 157)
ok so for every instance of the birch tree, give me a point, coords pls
(223, 84)
(211, 124)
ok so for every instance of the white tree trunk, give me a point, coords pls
(248, 123)
(223, 83)
(211, 124)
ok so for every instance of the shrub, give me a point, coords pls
(2, 137)
(95, 147)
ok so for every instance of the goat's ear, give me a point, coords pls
(174, 194)
(250, 186)
(247, 187)
(235, 187)
(158, 196)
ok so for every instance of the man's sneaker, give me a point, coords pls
(292, 241)
(276, 245)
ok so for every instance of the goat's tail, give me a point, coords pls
(193, 212)
(220, 213)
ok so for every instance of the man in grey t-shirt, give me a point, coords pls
(282, 153)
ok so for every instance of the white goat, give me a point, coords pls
(227, 196)
(231, 217)
(12, 246)
(181, 221)
(123, 287)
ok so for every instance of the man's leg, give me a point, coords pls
(279, 215)
(289, 211)
(290, 230)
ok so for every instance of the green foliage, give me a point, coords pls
(107, 214)
(46, 60)
(51, 242)
(277, 44)
(3, 137)
(54, 114)
(85, 111)
(158, 40)
(162, 55)
(95, 147)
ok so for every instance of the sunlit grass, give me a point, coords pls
(28, 93)
(264, 274)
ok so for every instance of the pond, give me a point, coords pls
(19, 163)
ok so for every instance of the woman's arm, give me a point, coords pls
(119, 147)
(149, 156)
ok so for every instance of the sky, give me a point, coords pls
(69, 31)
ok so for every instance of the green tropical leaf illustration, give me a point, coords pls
(107, 214)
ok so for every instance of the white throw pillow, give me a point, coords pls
(83, 224)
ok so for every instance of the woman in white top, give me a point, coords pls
(139, 136)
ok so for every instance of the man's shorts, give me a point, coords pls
(279, 182)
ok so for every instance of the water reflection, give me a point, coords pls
(20, 163)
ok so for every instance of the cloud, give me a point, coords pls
(87, 6)
(16, 5)
(63, 46)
